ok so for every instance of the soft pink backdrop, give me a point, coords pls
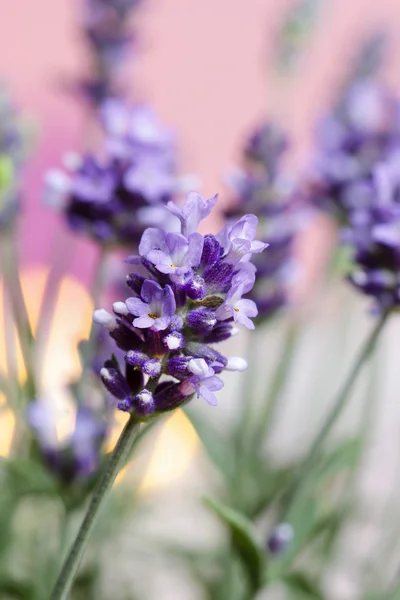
(203, 64)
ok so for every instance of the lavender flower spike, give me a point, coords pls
(190, 300)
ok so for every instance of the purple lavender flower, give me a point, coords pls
(166, 328)
(261, 189)
(374, 236)
(362, 131)
(78, 456)
(156, 307)
(115, 199)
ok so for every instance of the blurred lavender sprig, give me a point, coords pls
(114, 198)
(14, 145)
(262, 189)
(107, 31)
(298, 23)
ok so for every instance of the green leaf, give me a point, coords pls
(342, 458)
(13, 588)
(243, 540)
(215, 445)
(29, 477)
(301, 584)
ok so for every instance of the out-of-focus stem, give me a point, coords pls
(338, 405)
(12, 285)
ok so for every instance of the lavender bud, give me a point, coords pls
(174, 341)
(152, 367)
(196, 288)
(280, 538)
(103, 317)
(218, 277)
(201, 319)
(222, 331)
(143, 403)
(236, 363)
(177, 366)
(197, 350)
(211, 251)
(176, 323)
(135, 358)
(126, 404)
(115, 383)
(120, 308)
(169, 396)
(134, 282)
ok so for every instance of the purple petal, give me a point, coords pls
(245, 228)
(207, 395)
(162, 261)
(248, 307)
(144, 322)
(151, 291)
(169, 304)
(161, 323)
(152, 239)
(137, 307)
(196, 242)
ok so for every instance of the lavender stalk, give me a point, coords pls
(71, 565)
(188, 296)
(337, 407)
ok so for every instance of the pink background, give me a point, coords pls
(203, 64)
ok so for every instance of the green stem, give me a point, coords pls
(266, 418)
(71, 564)
(336, 410)
(12, 283)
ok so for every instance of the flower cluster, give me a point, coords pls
(76, 457)
(105, 26)
(114, 199)
(262, 190)
(188, 297)
(362, 131)
(13, 150)
(374, 235)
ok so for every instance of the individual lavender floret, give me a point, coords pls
(262, 190)
(280, 539)
(13, 150)
(113, 200)
(166, 329)
(361, 132)
(76, 457)
(374, 235)
(107, 33)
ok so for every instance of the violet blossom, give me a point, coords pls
(114, 199)
(79, 455)
(176, 311)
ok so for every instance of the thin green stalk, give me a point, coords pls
(336, 410)
(265, 419)
(12, 284)
(116, 461)
(394, 592)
